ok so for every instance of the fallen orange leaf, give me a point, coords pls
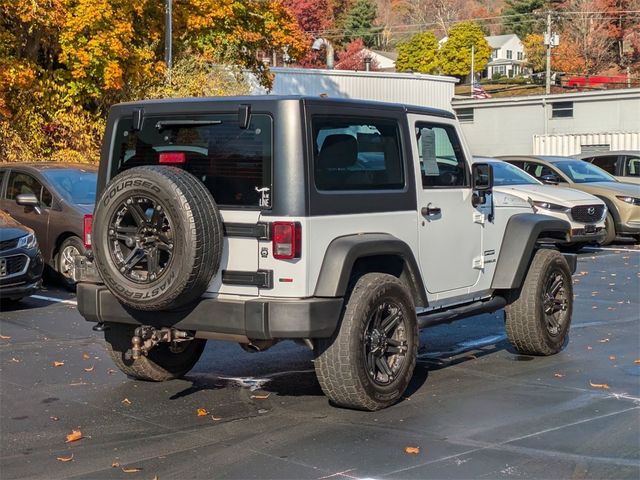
(612, 357)
(55, 419)
(15, 360)
(412, 450)
(131, 469)
(261, 397)
(4, 337)
(126, 401)
(637, 360)
(65, 459)
(111, 371)
(74, 436)
(215, 419)
(599, 385)
(604, 340)
(85, 355)
(559, 375)
(115, 465)
(89, 369)
(57, 364)
(202, 412)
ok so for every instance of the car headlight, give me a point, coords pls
(28, 241)
(553, 207)
(627, 199)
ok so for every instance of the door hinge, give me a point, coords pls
(479, 217)
(478, 262)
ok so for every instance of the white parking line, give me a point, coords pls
(53, 299)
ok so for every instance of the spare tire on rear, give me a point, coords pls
(157, 237)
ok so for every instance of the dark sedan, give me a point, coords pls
(20, 260)
(56, 200)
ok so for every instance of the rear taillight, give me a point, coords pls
(287, 240)
(86, 232)
(172, 158)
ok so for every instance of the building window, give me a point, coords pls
(494, 53)
(509, 54)
(465, 115)
(562, 110)
(520, 56)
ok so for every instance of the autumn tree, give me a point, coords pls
(454, 57)
(418, 54)
(313, 17)
(360, 22)
(441, 14)
(353, 57)
(535, 51)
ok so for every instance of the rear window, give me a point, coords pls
(233, 163)
(357, 154)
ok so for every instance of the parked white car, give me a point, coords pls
(586, 213)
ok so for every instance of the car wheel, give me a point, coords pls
(610, 229)
(538, 317)
(65, 265)
(368, 362)
(163, 362)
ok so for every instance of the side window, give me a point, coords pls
(632, 166)
(23, 183)
(2, 175)
(442, 162)
(538, 170)
(608, 164)
(357, 154)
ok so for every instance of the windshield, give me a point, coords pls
(77, 186)
(505, 174)
(583, 172)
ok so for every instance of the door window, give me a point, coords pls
(538, 170)
(442, 161)
(631, 169)
(22, 183)
(608, 164)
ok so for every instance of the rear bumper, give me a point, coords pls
(257, 319)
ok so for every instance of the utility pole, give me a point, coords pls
(547, 89)
(168, 34)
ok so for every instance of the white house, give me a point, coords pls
(507, 56)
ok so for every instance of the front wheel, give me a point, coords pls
(368, 362)
(610, 229)
(163, 362)
(537, 321)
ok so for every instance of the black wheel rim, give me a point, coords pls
(555, 302)
(140, 239)
(385, 343)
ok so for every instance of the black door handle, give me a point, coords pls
(430, 211)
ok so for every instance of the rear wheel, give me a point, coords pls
(368, 362)
(164, 362)
(538, 320)
(610, 229)
(65, 264)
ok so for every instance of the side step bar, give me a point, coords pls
(457, 313)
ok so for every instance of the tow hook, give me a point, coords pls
(146, 337)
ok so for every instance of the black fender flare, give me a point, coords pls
(518, 246)
(343, 252)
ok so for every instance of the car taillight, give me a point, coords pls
(86, 233)
(173, 158)
(287, 240)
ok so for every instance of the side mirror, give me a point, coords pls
(482, 177)
(28, 200)
(550, 179)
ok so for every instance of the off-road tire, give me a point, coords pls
(73, 241)
(159, 365)
(340, 361)
(610, 231)
(197, 236)
(525, 321)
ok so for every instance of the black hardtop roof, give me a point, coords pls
(49, 165)
(157, 104)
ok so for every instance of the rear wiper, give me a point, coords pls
(162, 125)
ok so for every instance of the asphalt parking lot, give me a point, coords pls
(474, 408)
